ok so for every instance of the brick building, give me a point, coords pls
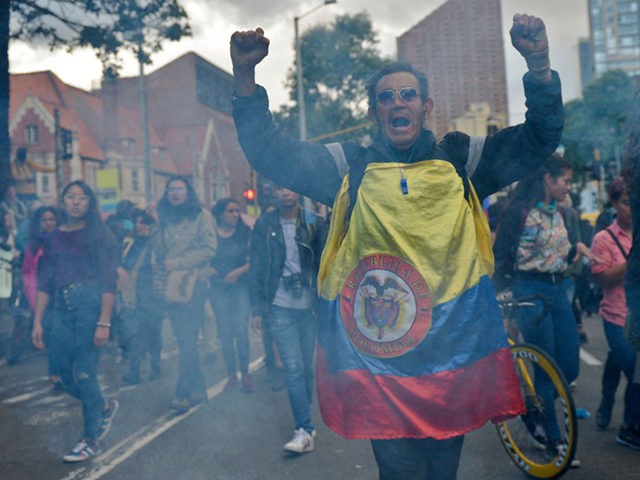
(99, 133)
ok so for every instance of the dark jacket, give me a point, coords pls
(268, 254)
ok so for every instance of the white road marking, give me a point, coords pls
(127, 447)
(23, 398)
(42, 418)
(589, 359)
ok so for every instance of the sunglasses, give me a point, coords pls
(387, 97)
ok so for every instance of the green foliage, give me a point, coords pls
(107, 26)
(599, 121)
(337, 61)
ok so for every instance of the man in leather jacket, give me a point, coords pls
(286, 244)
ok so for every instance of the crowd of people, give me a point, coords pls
(82, 281)
(396, 295)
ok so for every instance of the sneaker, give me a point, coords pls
(559, 448)
(246, 386)
(629, 437)
(107, 418)
(301, 442)
(603, 417)
(55, 386)
(232, 382)
(534, 421)
(181, 405)
(83, 450)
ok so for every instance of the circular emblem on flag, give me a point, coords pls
(386, 306)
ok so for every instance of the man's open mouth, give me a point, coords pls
(400, 122)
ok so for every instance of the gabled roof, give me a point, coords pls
(80, 111)
(53, 94)
(217, 139)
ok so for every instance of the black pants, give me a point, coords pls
(418, 459)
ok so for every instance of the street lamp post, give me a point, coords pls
(144, 126)
(302, 116)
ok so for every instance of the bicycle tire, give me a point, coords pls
(523, 437)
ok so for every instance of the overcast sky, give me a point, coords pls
(213, 22)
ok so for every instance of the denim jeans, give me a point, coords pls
(417, 458)
(230, 303)
(625, 358)
(75, 359)
(186, 321)
(610, 381)
(556, 334)
(146, 337)
(294, 332)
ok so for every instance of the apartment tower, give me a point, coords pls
(460, 48)
(615, 36)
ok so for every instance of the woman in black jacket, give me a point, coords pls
(229, 290)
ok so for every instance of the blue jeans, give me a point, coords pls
(556, 334)
(75, 359)
(230, 303)
(624, 357)
(146, 337)
(294, 332)
(417, 458)
(186, 322)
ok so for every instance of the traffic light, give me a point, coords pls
(249, 195)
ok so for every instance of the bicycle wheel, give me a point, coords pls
(525, 437)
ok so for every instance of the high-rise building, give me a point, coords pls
(585, 56)
(615, 36)
(460, 48)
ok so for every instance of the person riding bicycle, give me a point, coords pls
(533, 247)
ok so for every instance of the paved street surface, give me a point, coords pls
(240, 436)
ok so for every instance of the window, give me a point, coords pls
(135, 181)
(46, 183)
(31, 135)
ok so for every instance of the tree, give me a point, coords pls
(595, 127)
(107, 26)
(338, 59)
(5, 149)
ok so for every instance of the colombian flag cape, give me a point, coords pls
(411, 342)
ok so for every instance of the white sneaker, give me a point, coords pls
(84, 450)
(301, 442)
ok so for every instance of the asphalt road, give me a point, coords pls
(240, 436)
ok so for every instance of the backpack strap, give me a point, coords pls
(615, 239)
(354, 168)
(337, 152)
(476, 144)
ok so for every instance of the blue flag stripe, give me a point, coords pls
(463, 331)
